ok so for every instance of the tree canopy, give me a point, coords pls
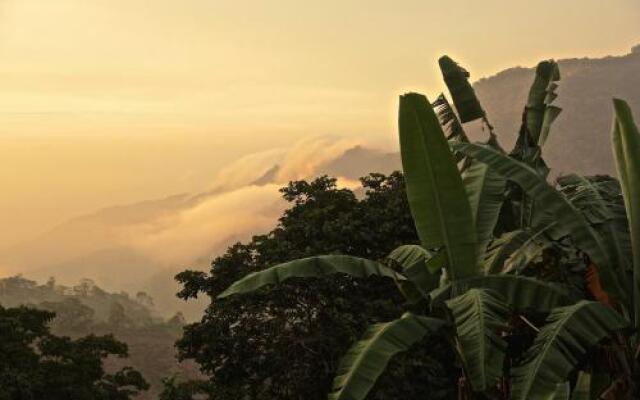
(36, 364)
(286, 342)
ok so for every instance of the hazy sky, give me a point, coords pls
(113, 101)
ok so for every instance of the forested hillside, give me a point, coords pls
(586, 88)
(85, 309)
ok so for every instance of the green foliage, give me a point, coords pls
(440, 210)
(480, 317)
(38, 365)
(367, 359)
(464, 97)
(176, 390)
(562, 343)
(86, 309)
(626, 147)
(421, 268)
(521, 293)
(80, 306)
(311, 267)
(554, 208)
(485, 190)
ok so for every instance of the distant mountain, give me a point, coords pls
(580, 139)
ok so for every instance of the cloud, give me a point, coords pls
(153, 240)
(239, 208)
(305, 157)
(209, 226)
(248, 169)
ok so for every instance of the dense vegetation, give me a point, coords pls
(533, 286)
(86, 309)
(36, 364)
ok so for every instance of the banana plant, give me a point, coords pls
(517, 335)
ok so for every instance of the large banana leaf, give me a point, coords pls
(485, 189)
(512, 250)
(584, 193)
(538, 116)
(537, 119)
(521, 293)
(600, 200)
(554, 204)
(310, 268)
(367, 359)
(480, 316)
(626, 148)
(436, 194)
(500, 249)
(421, 267)
(409, 255)
(560, 346)
(464, 97)
(531, 250)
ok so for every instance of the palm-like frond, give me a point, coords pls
(485, 190)
(531, 250)
(560, 346)
(538, 116)
(435, 191)
(513, 250)
(480, 317)
(539, 111)
(449, 120)
(600, 201)
(626, 147)
(421, 267)
(569, 220)
(311, 267)
(521, 293)
(367, 359)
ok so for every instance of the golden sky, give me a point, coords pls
(113, 101)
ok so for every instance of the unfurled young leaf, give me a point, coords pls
(538, 116)
(462, 93)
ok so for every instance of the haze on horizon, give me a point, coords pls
(114, 101)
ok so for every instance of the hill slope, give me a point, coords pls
(580, 138)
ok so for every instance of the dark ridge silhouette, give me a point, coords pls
(585, 92)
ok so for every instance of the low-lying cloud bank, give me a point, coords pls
(141, 246)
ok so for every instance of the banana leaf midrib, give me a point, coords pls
(443, 225)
